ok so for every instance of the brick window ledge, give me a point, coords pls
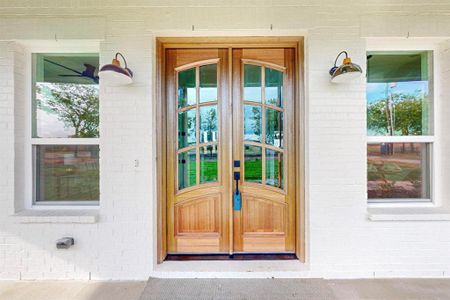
(408, 214)
(83, 216)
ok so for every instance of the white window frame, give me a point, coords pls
(404, 44)
(46, 46)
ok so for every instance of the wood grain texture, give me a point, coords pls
(199, 211)
(278, 217)
(266, 222)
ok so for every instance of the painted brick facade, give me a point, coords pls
(341, 241)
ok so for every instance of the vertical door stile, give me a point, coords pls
(197, 124)
(263, 125)
(229, 123)
(237, 136)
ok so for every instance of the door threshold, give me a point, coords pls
(235, 256)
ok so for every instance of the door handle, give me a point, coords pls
(237, 203)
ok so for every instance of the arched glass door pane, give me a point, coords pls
(273, 87)
(252, 83)
(208, 83)
(198, 126)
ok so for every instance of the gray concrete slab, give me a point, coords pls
(227, 289)
(311, 289)
(391, 289)
(261, 289)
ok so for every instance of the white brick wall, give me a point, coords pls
(341, 241)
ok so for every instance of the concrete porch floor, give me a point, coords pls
(310, 289)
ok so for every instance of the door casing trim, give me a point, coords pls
(163, 43)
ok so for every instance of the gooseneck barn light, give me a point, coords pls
(114, 74)
(346, 71)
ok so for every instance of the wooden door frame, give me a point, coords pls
(163, 43)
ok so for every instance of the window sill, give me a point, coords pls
(408, 214)
(82, 216)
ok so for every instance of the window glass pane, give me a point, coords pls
(208, 123)
(208, 163)
(398, 170)
(65, 102)
(252, 123)
(187, 175)
(186, 128)
(399, 93)
(274, 127)
(252, 83)
(187, 94)
(208, 83)
(253, 163)
(274, 168)
(273, 87)
(67, 172)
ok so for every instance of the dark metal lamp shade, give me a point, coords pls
(115, 75)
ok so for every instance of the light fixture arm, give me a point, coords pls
(334, 68)
(114, 74)
(123, 58)
(337, 57)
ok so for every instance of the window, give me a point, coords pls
(65, 128)
(399, 125)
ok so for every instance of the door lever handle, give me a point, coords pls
(237, 203)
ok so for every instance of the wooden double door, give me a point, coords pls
(230, 150)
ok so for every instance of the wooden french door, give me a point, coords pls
(230, 133)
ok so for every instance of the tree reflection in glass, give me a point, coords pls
(252, 123)
(66, 101)
(274, 127)
(186, 128)
(398, 170)
(208, 123)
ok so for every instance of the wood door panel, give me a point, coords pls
(188, 56)
(272, 56)
(198, 244)
(263, 216)
(264, 243)
(198, 215)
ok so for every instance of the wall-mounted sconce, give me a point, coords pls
(346, 71)
(114, 75)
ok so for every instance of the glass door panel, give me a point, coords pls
(263, 125)
(253, 164)
(208, 83)
(252, 83)
(198, 130)
(274, 127)
(273, 87)
(208, 124)
(186, 128)
(252, 123)
(186, 88)
(208, 163)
